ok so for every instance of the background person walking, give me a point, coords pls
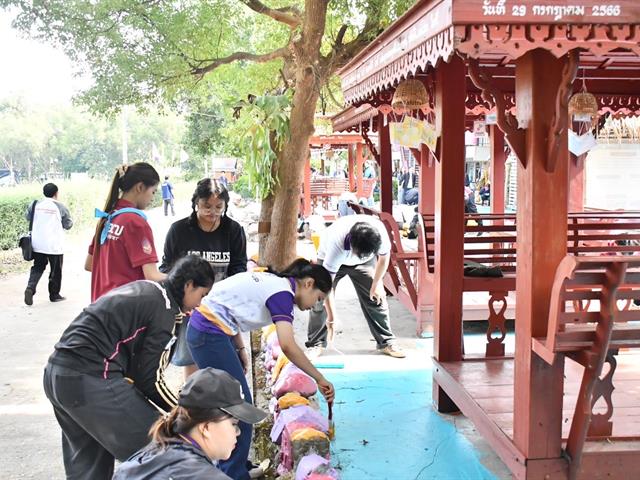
(167, 196)
(50, 219)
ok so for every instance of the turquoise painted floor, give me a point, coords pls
(386, 428)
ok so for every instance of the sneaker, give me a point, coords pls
(314, 352)
(57, 298)
(28, 296)
(392, 351)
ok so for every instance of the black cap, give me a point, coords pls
(213, 388)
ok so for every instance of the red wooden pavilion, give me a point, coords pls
(474, 55)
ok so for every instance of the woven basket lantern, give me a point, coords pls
(410, 95)
(583, 104)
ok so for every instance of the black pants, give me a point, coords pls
(101, 419)
(377, 316)
(55, 275)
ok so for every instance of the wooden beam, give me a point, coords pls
(449, 218)
(427, 182)
(542, 233)
(359, 168)
(576, 182)
(496, 173)
(386, 166)
(350, 168)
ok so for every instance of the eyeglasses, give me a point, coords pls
(217, 209)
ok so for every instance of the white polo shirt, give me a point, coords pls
(335, 245)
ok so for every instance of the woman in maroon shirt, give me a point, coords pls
(123, 250)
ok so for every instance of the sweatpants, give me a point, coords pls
(377, 316)
(218, 351)
(55, 275)
(101, 419)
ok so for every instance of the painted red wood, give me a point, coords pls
(386, 167)
(351, 168)
(542, 244)
(449, 210)
(576, 182)
(359, 168)
(496, 173)
(427, 182)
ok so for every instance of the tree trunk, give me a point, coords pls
(266, 209)
(280, 247)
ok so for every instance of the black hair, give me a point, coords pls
(125, 178)
(181, 420)
(303, 268)
(49, 190)
(365, 239)
(204, 189)
(190, 268)
(166, 177)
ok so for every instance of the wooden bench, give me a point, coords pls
(323, 189)
(588, 324)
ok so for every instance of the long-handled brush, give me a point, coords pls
(332, 426)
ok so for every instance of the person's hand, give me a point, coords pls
(376, 294)
(244, 359)
(327, 390)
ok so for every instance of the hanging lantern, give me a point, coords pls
(410, 95)
(583, 107)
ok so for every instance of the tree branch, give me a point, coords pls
(287, 15)
(234, 57)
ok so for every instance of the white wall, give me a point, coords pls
(612, 177)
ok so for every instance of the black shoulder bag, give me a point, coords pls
(25, 240)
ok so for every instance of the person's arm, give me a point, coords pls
(238, 251)
(88, 263)
(67, 222)
(171, 253)
(293, 352)
(242, 352)
(377, 289)
(151, 272)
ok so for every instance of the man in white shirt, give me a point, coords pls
(357, 246)
(50, 219)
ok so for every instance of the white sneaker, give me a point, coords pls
(314, 352)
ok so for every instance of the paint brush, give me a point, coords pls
(332, 426)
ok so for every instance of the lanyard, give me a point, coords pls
(188, 438)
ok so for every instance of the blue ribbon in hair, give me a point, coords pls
(110, 216)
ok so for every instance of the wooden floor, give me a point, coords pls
(490, 384)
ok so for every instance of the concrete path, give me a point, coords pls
(386, 427)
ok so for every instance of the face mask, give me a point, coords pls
(580, 144)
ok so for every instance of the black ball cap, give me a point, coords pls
(213, 388)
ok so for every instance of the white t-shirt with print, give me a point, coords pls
(335, 250)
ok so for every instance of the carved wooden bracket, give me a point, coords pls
(506, 121)
(560, 121)
(372, 147)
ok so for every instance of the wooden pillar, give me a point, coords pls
(449, 218)
(359, 168)
(386, 167)
(306, 202)
(542, 244)
(496, 174)
(427, 182)
(576, 182)
(350, 168)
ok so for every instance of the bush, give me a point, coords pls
(81, 198)
(241, 187)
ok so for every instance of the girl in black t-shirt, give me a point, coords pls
(209, 233)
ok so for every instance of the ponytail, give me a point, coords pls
(125, 178)
(303, 268)
(180, 421)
